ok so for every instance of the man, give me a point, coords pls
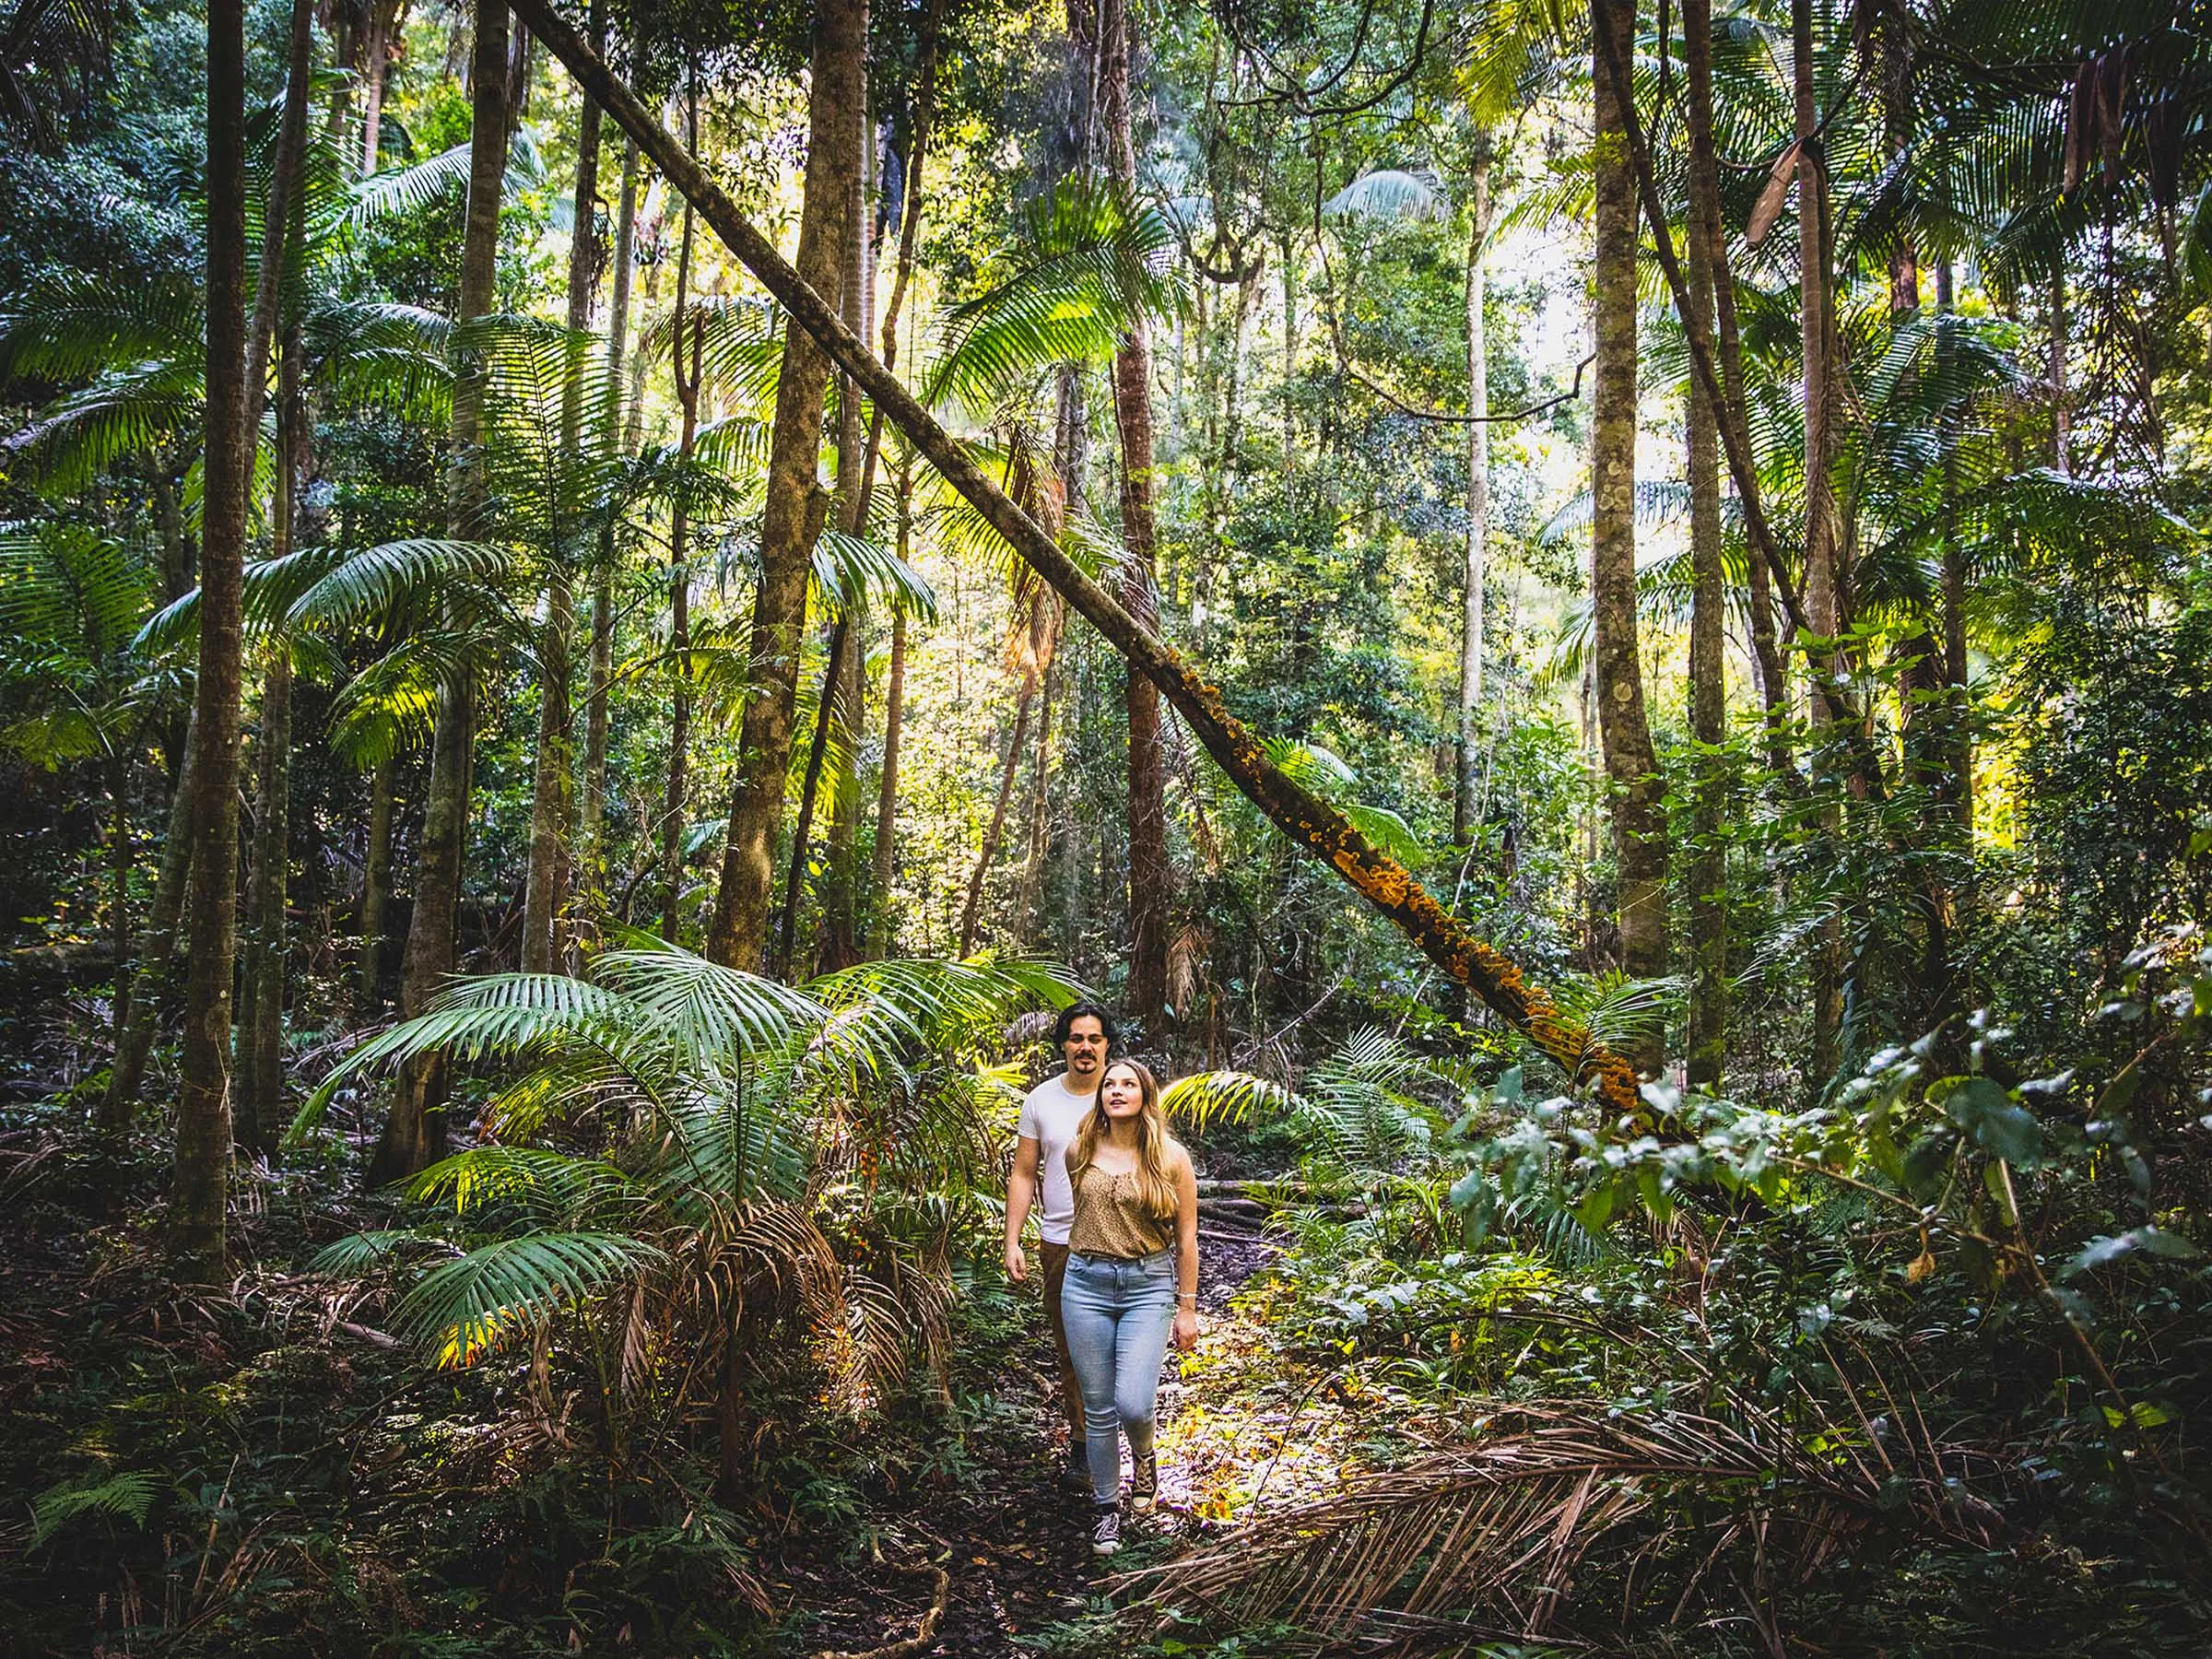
(1050, 1116)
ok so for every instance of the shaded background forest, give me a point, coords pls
(544, 813)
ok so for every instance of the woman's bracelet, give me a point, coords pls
(1189, 1296)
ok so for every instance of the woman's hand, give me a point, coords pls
(1018, 1267)
(1186, 1329)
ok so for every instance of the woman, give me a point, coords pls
(1132, 1281)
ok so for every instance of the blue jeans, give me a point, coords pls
(1118, 1315)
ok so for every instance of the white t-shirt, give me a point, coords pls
(1051, 1115)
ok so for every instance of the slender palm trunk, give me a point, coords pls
(1708, 872)
(592, 826)
(1631, 766)
(817, 749)
(258, 1044)
(1032, 869)
(1475, 566)
(1151, 875)
(1706, 222)
(258, 1051)
(200, 1189)
(739, 935)
(415, 1133)
(1824, 601)
(676, 798)
(552, 805)
(376, 893)
(883, 929)
(838, 944)
(971, 912)
(120, 859)
(376, 58)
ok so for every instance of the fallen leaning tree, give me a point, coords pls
(1386, 885)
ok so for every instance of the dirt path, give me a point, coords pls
(1014, 1547)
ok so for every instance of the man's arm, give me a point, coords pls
(1022, 1191)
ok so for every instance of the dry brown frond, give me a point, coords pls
(1497, 1530)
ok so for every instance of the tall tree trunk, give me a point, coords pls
(1032, 869)
(120, 859)
(675, 800)
(1151, 875)
(971, 912)
(1475, 566)
(1631, 766)
(795, 880)
(258, 1044)
(1823, 586)
(376, 56)
(884, 854)
(1732, 410)
(200, 1189)
(838, 941)
(551, 805)
(592, 825)
(415, 1133)
(1958, 696)
(376, 893)
(1310, 823)
(1708, 1037)
(883, 928)
(839, 79)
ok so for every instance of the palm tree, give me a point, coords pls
(200, 1193)
(766, 1151)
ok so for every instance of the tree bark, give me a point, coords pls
(1631, 766)
(882, 928)
(1708, 1037)
(374, 59)
(739, 935)
(837, 942)
(592, 826)
(415, 1133)
(1151, 877)
(1824, 607)
(258, 1043)
(1475, 566)
(551, 804)
(675, 799)
(795, 879)
(120, 855)
(971, 912)
(200, 1188)
(1309, 821)
(376, 893)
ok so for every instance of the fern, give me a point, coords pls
(129, 1495)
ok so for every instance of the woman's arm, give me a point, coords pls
(1186, 1253)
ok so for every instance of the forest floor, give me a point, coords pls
(1236, 1428)
(1021, 1577)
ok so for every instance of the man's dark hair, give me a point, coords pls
(1074, 1011)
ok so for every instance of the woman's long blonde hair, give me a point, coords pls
(1155, 1185)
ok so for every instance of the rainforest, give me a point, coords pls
(725, 724)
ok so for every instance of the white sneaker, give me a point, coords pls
(1106, 1530)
